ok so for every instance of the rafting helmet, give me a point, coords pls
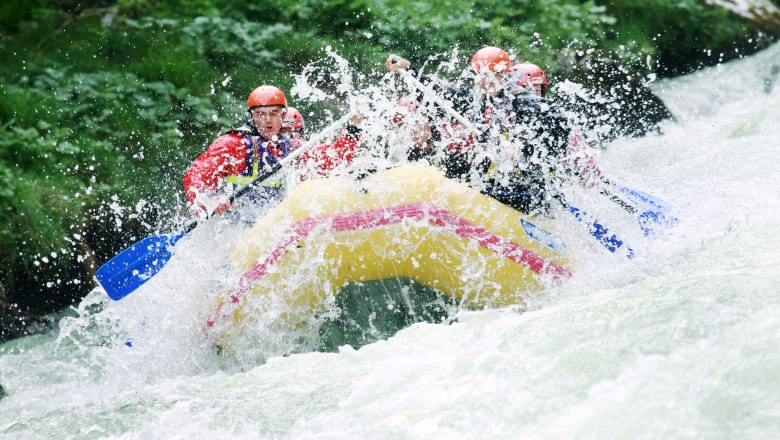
(490, 59)
(529, 76)
(293, 120)
(266, 95)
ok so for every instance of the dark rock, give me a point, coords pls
(2, 392)
(16, 324)
(13, 322)
(609, 99)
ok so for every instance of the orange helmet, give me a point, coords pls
(293, 119)
(490, 59)
(266, 95)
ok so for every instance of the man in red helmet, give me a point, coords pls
(537, 133)
(578, 158)
(528, 77)
(293, 126)
(241, 154)
(321, 159)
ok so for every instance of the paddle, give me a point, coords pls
(650, 218)
(137, 264)
(599, 231)
(595, 229)
(651, 212)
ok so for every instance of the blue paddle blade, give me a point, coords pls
(654, 224)
(656, 220)
(134, 266)
(600, 232)
(649, 202)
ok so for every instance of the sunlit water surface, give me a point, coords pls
(681, 341)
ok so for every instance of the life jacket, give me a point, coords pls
(496, 119)
(501, 114)
(496, 111)
(268, 156)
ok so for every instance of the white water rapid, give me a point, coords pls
(682, 341)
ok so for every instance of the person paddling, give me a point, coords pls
(536, 132)
(293, 126)
(238, 156)
(323, 158)
(578, 161)
(528, 78)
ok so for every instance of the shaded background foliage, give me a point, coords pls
(104, 103)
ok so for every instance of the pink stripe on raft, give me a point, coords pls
(388, 216)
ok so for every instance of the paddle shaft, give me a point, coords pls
(440, 102)
(627, 206)
(137, 264)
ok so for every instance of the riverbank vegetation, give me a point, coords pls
(104, 103)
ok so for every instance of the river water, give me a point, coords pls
(682, 341)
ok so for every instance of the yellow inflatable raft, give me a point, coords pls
(408, 221)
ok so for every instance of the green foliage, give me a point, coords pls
(84, 146)
(679, 32)
(12, 12)
(675, 33)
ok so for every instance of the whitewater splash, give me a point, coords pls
(681, 341)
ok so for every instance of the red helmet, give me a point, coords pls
(293, 119)
(490, 59)
(265, 96)
(528, 75)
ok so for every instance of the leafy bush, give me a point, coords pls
(90, 148)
